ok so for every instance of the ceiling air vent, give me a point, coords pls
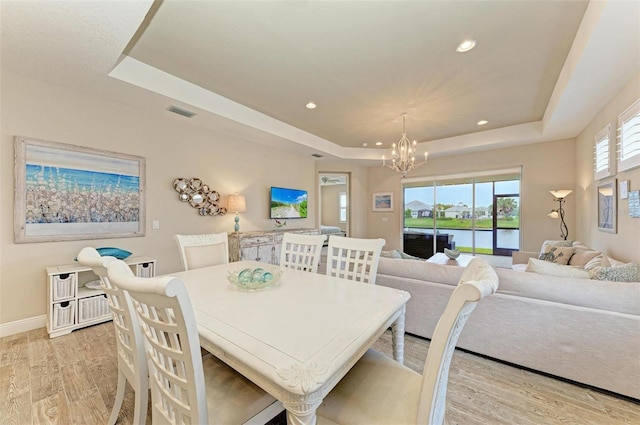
(317, 155)
(180, 111)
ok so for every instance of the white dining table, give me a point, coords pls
(298, 338)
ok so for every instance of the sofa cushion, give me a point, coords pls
(556, 254)
(553, 269)
(620, 297)
(625, 273)
(420, 270)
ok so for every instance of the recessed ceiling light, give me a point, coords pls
(483, 122)
(311, 105)
(378, 143)
(365, 144)
(465, 46)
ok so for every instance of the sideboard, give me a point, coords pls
(261, 246)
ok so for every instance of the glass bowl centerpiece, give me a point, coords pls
(252, 279)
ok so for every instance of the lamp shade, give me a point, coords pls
(561, 193)
(236, 203)
(554, 214)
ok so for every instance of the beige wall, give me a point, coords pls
(172, 148)
(331, 205)
(546, 166)
(625, 244)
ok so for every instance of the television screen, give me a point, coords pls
(288, 203)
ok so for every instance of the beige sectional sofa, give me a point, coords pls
(583, 330)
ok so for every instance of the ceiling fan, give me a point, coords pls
(327, 180)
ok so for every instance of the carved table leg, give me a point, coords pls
(397, 337)
(308, 418)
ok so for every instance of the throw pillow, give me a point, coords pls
(406, 256)
(597, 261)
(581, 257)
(615, 263)
(390, 254)
(552, 269)
(556, 254)
(626, 273)
(120, 254)
(555, 243)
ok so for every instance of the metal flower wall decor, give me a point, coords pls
(199, 196)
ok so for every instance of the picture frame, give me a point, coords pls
(607, 206)
(382, 202)
(64, 192)
(624, 189)
(634, 203)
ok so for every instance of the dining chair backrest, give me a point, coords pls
(301, 252)
(173, 349)
(203, 250)
(477, 281)
(379, 390)
(132, 362)
(354, 259)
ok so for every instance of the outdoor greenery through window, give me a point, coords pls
(479, 214)
(343, 206)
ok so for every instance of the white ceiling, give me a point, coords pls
(541, 69)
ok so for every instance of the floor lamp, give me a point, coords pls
(560, 196)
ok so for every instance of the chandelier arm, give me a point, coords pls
(403, 154)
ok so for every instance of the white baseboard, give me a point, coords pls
(23, 325)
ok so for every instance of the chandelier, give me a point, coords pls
(403, 157)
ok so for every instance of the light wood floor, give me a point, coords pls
(72, 380)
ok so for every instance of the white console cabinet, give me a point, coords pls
(261, 246)
(72, 305)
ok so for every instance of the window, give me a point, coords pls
(343, 207)
(601, 163)
(629, 137)
(478, 212)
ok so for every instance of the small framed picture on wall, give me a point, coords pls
(382, 202)
(624, 189)
(607, 211)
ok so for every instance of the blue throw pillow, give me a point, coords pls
(120, 254)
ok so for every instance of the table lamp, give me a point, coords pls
(238, 204)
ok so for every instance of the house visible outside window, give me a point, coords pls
(343, 207)
(601, 162)
(478, 211)
(629, 137)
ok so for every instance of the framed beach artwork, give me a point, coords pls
(607, 206)
(65, 192)
(382, 202)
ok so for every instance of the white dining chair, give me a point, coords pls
(301, 252)
(354, 259)
(379, 390)
(132, 363)
(203, 250)
(185, 387)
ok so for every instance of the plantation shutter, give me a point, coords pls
(601, 163)
(629, 137)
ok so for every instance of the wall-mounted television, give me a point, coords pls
(288, 203)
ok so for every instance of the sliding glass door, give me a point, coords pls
(475, 214)
(506, 224)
